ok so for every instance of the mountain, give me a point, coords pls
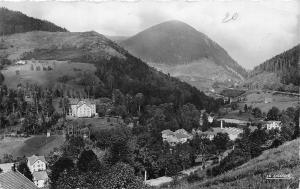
(179, 49)
(117, 38)
(115, 67)
(16, 22)
(280, 72)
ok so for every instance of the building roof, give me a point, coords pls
(167, 132)
(181, 133)
(236, 121)
(32, 159)
(76, 101)
(5, 167)
(40, 175)
(228, 130)
(15, 180)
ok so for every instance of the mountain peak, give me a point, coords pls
(173, 26)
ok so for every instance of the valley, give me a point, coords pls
(167, 107)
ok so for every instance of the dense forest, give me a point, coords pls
(286, 65)
(16, 22)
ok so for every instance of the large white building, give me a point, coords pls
(82, 108)
(37, 166)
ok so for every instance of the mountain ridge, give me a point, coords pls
(16, 22)
(175, 42)
(277, 72)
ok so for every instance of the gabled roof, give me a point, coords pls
(40, 175)
(15, 180)
(32, 159)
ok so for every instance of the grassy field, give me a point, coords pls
(40, 145)
(99, 123)
(283, 160)
(29, 72)
(257, 99)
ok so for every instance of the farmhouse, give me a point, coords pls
(272, 125)
(37, 167)
(82, 108)
(173, 138)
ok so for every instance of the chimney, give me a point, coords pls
(221, 124)
(13, 168)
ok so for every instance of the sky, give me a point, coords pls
(258, 30)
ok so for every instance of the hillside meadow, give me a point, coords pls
(283, 160)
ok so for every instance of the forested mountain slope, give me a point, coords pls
(282, 68)
(116, 68)
(16, 22)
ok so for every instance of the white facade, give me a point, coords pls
(273, 125)
(210, 119)
(21, 62)
(83, 109)
(37, 166)
(39, 183)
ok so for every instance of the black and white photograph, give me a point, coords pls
(149, 94)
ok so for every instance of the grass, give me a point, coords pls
(281, 160)
(280, 101)
(45, 78)
(20, 147)
(98, 123)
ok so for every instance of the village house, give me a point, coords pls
(180, 136)
(82, 108)
(37, 166)
(272, 125)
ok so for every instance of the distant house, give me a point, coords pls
(21, 62)
(233, 133)
(210, 118)
(272, 125)
(82, 108)
(37, 166)
(15, 180)
(178, 137)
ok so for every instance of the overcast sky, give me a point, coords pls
(261, 29)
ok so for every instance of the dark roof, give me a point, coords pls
(15, 180)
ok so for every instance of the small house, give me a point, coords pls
(272, 125)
